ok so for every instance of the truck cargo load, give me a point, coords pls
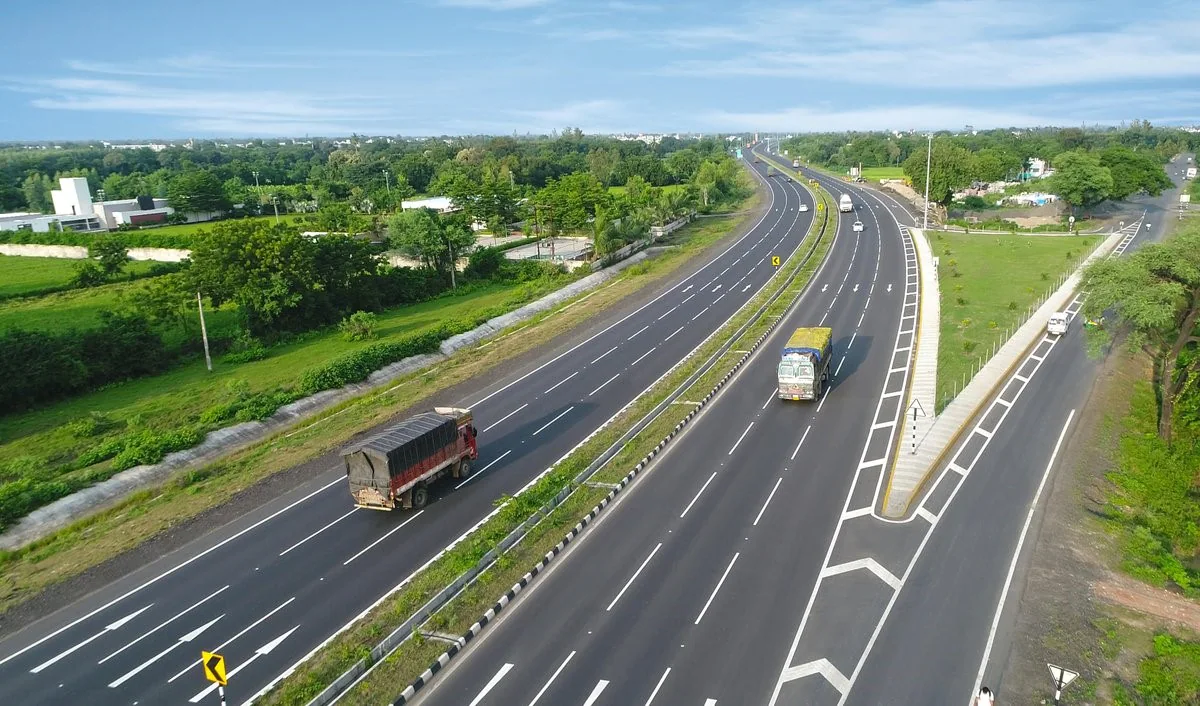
(803, 372)
(395, 467)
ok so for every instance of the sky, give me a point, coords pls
(139, 70)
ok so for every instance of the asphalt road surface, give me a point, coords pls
(689, 589)
(269, 588)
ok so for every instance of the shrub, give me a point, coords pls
(356, 366)
(484, 263)
(1045, 276)
(94, 424)
(1012, 306)
(359, 326)
(993, 325)
(88, 274)
(961, 301)
(968, 346)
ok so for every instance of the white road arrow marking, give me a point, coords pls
(824, 287)
(714, 291)
(855, 288)
(889, 286)
(185, 638)
(114, 626)
(260, 652)
(746, 288)
(688, 288)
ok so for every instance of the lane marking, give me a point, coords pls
(390, 532)
(716, 588)
(774, 393)
(183, 639)
(225, 644)
(1012, 567)
(501, 419)
(802, 438)
(739, 441)
(698, 493)
(870, 565)
(700, 314)
(768, 502)
(492, 683)
(639, 331)
(669, 312)
(552, 678)
(164, 624)
(821, 666)
(643, 356)
(314, 534)
(596, 692)
(614, 377)
(839, 367)
(560, 416)
(610, 350)
(478, 473)
(673, 333)
(632, 578)
(552, 388)
(657, 687)
(117, 625)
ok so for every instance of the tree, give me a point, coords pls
(1133, 172)
(36, 188)
(682, 165)
(571, 201)
(422, 234)
(1155, 294)
(637, 192)
(165, 300)
(602, 164)
(88, 274)
(993, 164)
(110, 250)
(197, 191)
(1080, 179)
(951, 168)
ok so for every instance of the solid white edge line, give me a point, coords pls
(768, 502)
(698, 493)
(501, 419)
(314, 534)
(1012, 567)
(170, 571)
(492, 683)
(552, 678)
(632, 578)
(717, 588)
(476, 474)
(389, 533)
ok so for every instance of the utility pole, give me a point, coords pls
(255, 173)
(203, 331)
(928, 164)
(275, 203)
(387, 180)
(453, 263)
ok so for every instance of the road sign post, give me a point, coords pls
(774, 261)
(214, 671)
(917, 410)
(1062, 679)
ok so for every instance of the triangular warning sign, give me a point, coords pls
(1062, 677)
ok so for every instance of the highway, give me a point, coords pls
(946, 618)
(270, 587)
(689, 589)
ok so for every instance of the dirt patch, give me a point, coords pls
(58, 595)
(1074, 610)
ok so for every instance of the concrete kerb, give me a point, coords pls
(444, 659)
(1023, 340)
(223, 442)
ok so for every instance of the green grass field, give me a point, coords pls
(193, 228)
(987, 283)
(28, 276)
(669, 188)
(877, 173)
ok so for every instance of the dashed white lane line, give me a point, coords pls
(716, 589)
(314, 534)
(700, 314)
(633, 578)
(668, 312)
(614, 377)
(225, 644)
(673, 333)
(693, 294)
(183, 639)
(802, 438)
(117, 625)
(390, 532)
(492, 683)
(476, 474)
(839, 367)
(591, 699)
(639, 331)
(768, 502)
(643, 356)
(601, 356)
(552, 678)
(560, 416)
(698, 494)
(658, 686)
(555, 385)
(501, 419)
(739, 441)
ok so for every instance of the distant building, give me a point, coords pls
(441, 204)
(155, 147)
(1039, 169)
(75, 210)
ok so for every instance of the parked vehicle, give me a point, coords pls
(1057, 324)
(1191, 173)
(795, 164)
(803, 372)
(395, 467)
(845, 205)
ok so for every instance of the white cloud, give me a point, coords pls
(917, 117)
(194, 65)
(496, 4)
(590, 116)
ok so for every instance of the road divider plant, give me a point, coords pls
(448, 595)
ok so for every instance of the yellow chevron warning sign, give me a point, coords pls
(774, 261)
(214, 667)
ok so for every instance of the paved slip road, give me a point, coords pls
(690, 588)
(270, 587)
(931, 649)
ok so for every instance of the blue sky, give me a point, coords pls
(135, 69)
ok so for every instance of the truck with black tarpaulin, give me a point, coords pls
(395, 467)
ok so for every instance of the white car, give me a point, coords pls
(1058, 323)
(858, 226)
(803, 208)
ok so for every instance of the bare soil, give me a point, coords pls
(1075, 610)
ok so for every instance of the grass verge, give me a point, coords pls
(410, 659)
(32, 276)
(90, 542)
(988, 283)
(877, 173)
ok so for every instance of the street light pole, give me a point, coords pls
(275, 203)
(387, 180)
(255, 173)
(928, 164)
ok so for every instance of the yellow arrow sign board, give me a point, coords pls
(214, 667)
(775, 261)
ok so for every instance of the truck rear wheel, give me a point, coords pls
(420, 496)
(464, 468)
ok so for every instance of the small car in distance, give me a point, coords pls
(803, 208)
(858, 226)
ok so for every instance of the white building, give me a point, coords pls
(441, 204)
(1038, 169)
(75, 210)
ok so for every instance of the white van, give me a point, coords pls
(1057, 325)
(845, 205)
